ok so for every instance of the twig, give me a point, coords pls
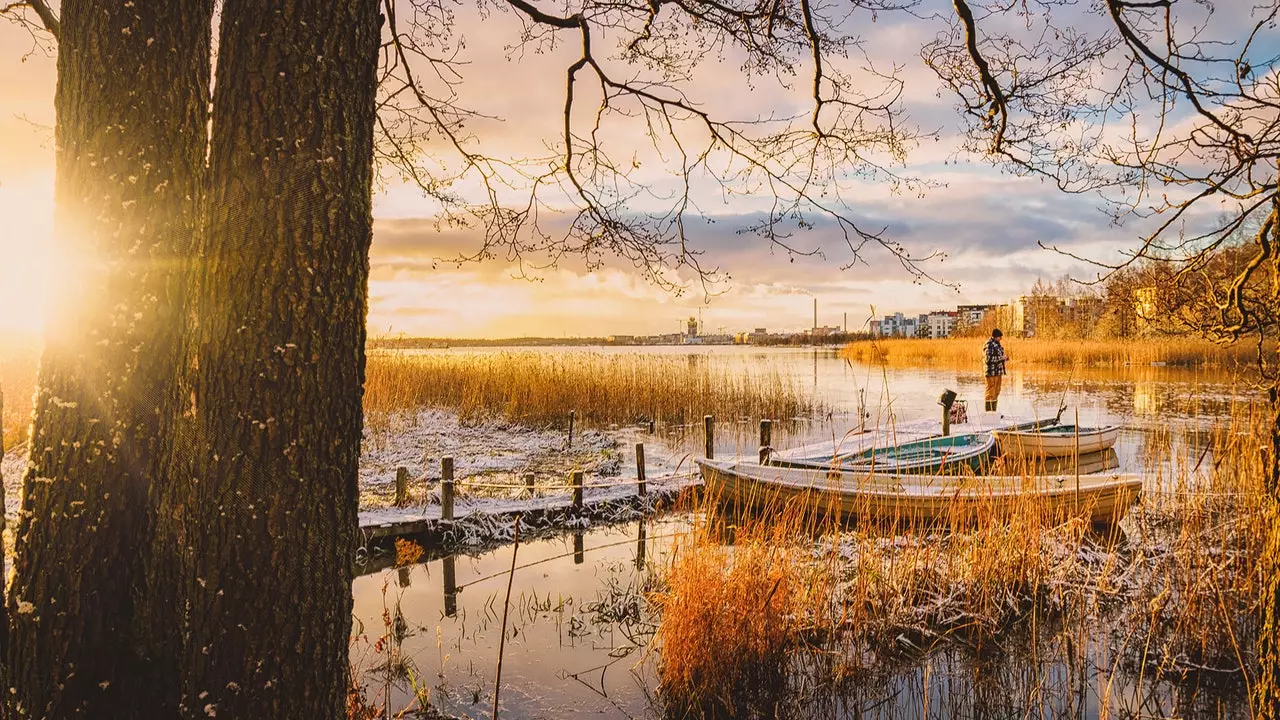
(506, 604)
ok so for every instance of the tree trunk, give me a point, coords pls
(132, 106)
(262, 494)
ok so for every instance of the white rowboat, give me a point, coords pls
(1104, 499)
(1055, 440)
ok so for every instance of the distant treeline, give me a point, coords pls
(426, 343)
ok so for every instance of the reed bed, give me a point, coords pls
(1174, 598)
(966, 352)
(732, 612)
(541, 388)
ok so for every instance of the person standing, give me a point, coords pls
(996, 358)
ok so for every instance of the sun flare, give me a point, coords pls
(27, 261)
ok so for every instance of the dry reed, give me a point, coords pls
(540, 388)
(1176, 598)
(965, 352)
(728, 620)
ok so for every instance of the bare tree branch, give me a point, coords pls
(48, 19)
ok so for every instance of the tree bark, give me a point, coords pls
(261, 500)
(132, 108)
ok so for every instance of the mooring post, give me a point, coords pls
(450, 587)
(571, 414)
(528, 484)
(766, 440)
(402, 486)
(579, 552)
(709, 431)
(577, 489)
(446, 489)
(640, 467)
(403, 577)
(650, 426)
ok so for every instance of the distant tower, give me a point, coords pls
(692, 327)
(815, 313)
(846, 323)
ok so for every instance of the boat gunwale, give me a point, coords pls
(1095, 483)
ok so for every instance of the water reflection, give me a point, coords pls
(1145, 399)
(580, 633)
(579, 636)
(578, 628)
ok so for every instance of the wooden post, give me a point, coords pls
(577, 489)
(946, 420)
(571, 414)
(402, 486)
(709, 431)
(403, 577)
(640, 467)
(450, 587)
(579, 552)
(650, 426)
(528, 484)
(766, 440)
(446, 489)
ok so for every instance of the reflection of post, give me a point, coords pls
(450, 587)
(578, 551)
(640, 535)
(403, 578)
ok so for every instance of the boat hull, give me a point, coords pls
(1034, 444)
(1102, 499)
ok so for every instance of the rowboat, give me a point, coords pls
(852, 495)
(933, 455)
(1055, 440)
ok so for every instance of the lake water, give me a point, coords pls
(579, 630)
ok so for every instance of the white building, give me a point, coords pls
(938, 324)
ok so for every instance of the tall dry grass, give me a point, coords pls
(1173, 599)
(732, 614)
(540, 388)
(967, 352)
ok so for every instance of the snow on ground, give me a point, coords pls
(489, 452)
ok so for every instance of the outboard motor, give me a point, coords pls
(947, 399)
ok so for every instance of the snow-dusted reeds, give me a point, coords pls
(1171, 594)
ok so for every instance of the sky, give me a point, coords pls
(988, 223)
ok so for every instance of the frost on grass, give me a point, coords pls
(488, 456)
